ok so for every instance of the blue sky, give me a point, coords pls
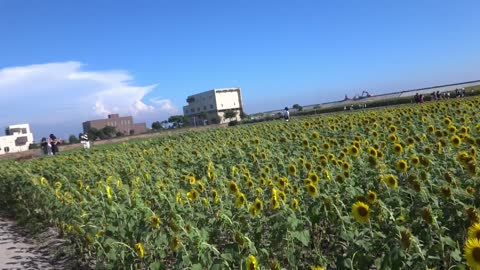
(145, 57)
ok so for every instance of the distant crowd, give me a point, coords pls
(438, 96)
(49, 145)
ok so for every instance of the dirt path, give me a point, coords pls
(20, 252)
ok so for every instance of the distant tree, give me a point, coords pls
(73, 139)
(93, 134)
(243, 115)
(297, 107)
(176, 120)
(229, 114)
(119, 134)
(203, 115)
(109, 131)
(157, 125)
(317, 107)
(215, 120)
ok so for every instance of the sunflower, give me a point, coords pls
(456, 140)
(361, 212)
(313, 177)
(326, 146)
(140, 250)
(397, 148)
(392, 137)
(472, 253)
(372, 152)
(311, 189)
(405, 238)
(241, 200)
(474, 231)
(108, 189)
(431, 129)
(315, 135)
(175, 243)
(391, 181)
(402, 165)
(372, 197)
(452, 129)
(427, 215)
(233, 188)
(292, 169)
(201, 186)
(252, 263)
(258, 204)
(473, 151)
(346, 166)
(414, 160)
(294, 204)
(192, 195)
(155, 222)
(393, 129)
(317, 268)
(215, 196)
(274, 202)
(470, 190)
(354, 151)
(192, 180)
(447, 121)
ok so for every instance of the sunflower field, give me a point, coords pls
(391, 188)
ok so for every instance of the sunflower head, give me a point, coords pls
(155, 221)
(140, 250)
(294, 204)
(311, 189)
(233, 188)
(414, 160)
(405, 238)
(427, 215)
(361, 212)
(402, 165)
(456, 141)
(354, 151)
(292, 169)
(252, 263)
(241, 200)
(474, 231)
(397, 148)
(372, 197)
(472, 253)
(391, 180)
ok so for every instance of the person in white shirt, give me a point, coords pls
(84, 140)
(286, 114)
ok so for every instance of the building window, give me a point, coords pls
(204, 108)
(193, 110)
(6, 149)
(211, 106)
(198, 109)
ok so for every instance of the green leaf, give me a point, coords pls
(303, 236)
(448, 241)
(456, 255)
(156, 266)
(196, 267)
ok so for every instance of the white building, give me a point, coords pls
(206, 106)
(18, 138)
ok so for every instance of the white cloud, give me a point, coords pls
(49, 95)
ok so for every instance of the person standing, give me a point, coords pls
(84, 140)
(54, 142)
(286, 114)
(46, 146)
